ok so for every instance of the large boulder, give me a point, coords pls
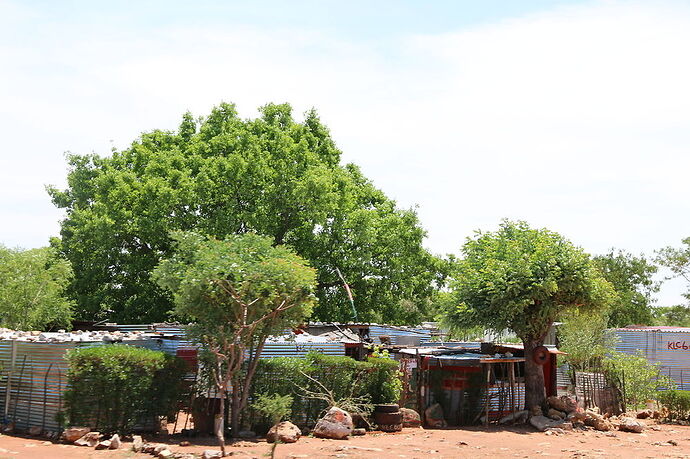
(284, 432)
(410, 418)
(555, 414)
(597, 421)
(91, 439)
(434, 416)
(631, 425)
(336, 424)
(564, 403)
(74, 433)
(542, 423)
(137, 443)
(115, 442)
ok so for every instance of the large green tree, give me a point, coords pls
(226, 175)
(522, 279)
(238, 291)
(633, 279)
(32, 289)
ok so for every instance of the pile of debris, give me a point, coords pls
(62, 336)
(83, 436)
(565, 414)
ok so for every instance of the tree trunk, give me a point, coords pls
(235, 407)
(219, 423)
(535, 392)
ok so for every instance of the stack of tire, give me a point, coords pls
(388, 417)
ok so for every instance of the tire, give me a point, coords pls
(387, 408)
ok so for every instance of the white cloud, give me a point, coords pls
(575, 118)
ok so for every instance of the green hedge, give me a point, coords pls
(677, 404)
(377, 377)
(114, 387)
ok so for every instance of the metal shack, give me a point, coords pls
(667, 346)
(473, 385)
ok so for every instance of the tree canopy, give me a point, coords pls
(522, 279)
(632, 279)
(677, 261)
(238, 291)
(32, 289)
(225, 175)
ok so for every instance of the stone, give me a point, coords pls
(336, 424)
(631, 425)
(518, 417)
(91, 439)
(434, 416)
(105, 444)
(597, 421)
(137, 443)
(555, 414)
(542, 423)
(35, 431)
(148, 448)
(359, 432)
(283, 432)
(184, 443)
(115, 442)
(73, 434)
(165, 453)
(210, 454)
(566, 426)
(644, 414)
(564, 403)
(410, 418)
(158, 448)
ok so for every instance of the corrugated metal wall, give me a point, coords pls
(669, 348)
(33, 380)
(395, 334)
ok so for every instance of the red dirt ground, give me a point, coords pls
(472, 442)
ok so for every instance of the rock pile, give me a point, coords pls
(564, 413)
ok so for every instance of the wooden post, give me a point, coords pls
(511, 380)
(486, 399)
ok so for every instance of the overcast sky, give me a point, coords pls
(572, 115)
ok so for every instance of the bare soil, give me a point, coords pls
(418, 443)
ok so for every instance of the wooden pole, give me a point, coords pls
(486, 399)
(511, 380)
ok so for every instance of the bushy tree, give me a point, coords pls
(226, 175)
(676, 316)
(32, 289)
(633, 279)
(522, 279)
(238, 291)
(677, 260)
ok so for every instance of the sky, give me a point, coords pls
(571, 115)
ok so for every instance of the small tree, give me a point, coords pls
(32, 289)
(521, 279)
(238, 291)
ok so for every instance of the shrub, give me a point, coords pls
(274, 407)
(376, 380)
(641, 379)
(113, 387)
(677, 404)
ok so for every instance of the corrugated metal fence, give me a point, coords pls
(670, 348)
